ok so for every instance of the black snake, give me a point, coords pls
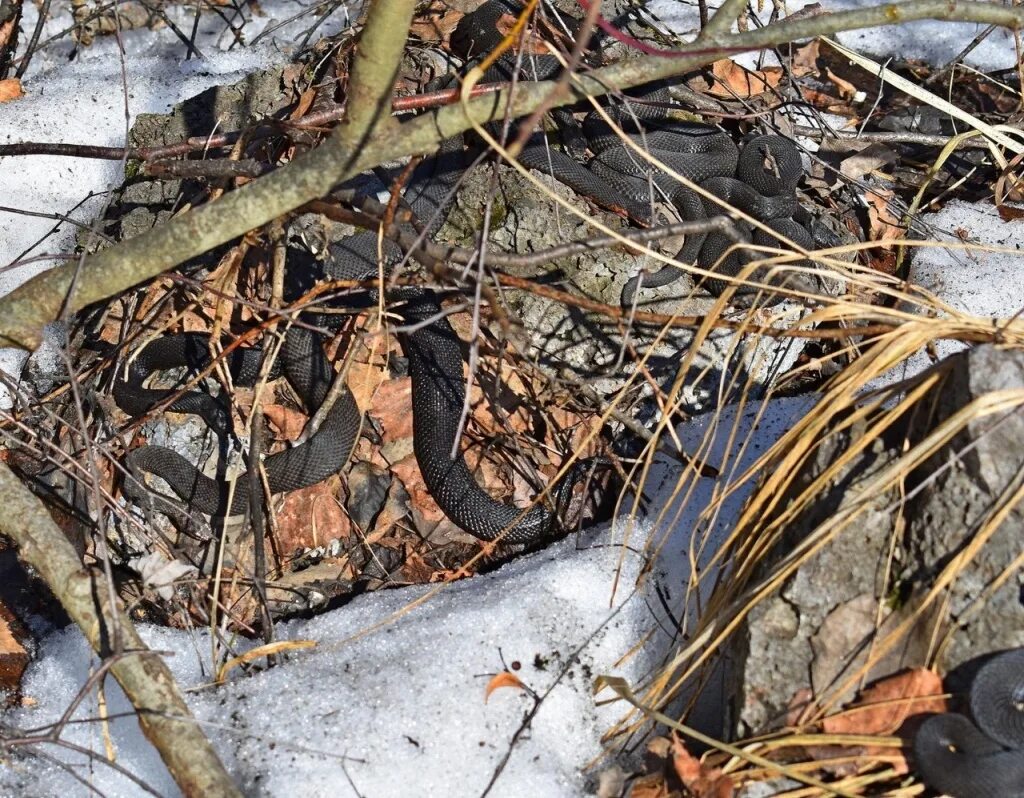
(760, 179)
(983, 758)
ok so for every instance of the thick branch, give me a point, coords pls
(721, 23)
(24, 312)
(163, 715)
(375, 68)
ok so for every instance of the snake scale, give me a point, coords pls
(759, 179)
(983, 758)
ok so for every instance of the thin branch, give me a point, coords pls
(721, 23)
(25, 311)
(375, 66)
(163, 714)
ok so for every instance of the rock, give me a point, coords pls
(814, 634)
(525, 218)
(980, 468)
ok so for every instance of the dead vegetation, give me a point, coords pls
(377, 526)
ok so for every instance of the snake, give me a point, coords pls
(432, 348)
(759, 178)
(983, 758)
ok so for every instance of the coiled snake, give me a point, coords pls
(435, 364)
(983, 759)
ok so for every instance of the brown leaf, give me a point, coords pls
(702, 781)
(13, 656)
(884, 706)
(435, 24)
(826, 102)
(503, 679)
(652, 786)
(10, 89)
(805, 59)
(873, 156)
(733, 80)
(887, 707)
(392, 405)
(846, 89)
(287, 422)
(885, 225)
(310, 517)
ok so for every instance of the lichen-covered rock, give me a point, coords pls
(811, 638)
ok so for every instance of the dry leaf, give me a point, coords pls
(846, 89)
(652, 786)
(883, 709)
(287, 422)
(10, 89)
(435, 24)
(884, 706)
(873, 156)
(309, 517)
(503, 679)
(805, 59)
(702, 781)
(734, 80)
(885, 225)
(392, 405)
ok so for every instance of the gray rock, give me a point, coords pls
(962, 486)
(814, 634)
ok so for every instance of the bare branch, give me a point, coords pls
(163, 715)
(24, 312)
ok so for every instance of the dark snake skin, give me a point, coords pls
(703, 153)
(983, 758)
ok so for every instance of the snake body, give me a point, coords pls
(984, 758)
(759, 179)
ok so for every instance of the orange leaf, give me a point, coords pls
(10, 89)
(884, 706)
(503, 679)
(288, 421)
(736, 81)
(883, 709)
(701, 780)
(885, 225)
(846, 89)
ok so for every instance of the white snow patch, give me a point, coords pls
(973, 281)
(84, 102)
(393, 704)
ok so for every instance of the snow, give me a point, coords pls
(933, 42)
(985, 280)
(393, 693)
(391, 700)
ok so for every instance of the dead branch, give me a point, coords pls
(163, 714)
(348, 152)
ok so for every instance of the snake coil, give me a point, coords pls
(760, 180)
(984, 758)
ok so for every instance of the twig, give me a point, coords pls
(25, 311)
(885, 137)
(163, 714)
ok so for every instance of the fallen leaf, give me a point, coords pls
(885, 225)
(701, 780)
(310, 517)
(846, 89)
(287, 422)
(392, 406)
(10, 89)
(652, 786)
(890, 706)
(733, 80)
(435, 24)
(873, 156)
(503, 679)
(805, 59)
(884, 706)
